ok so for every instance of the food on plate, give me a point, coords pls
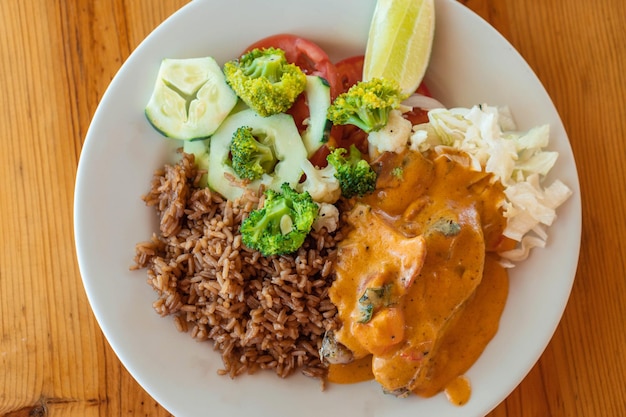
(366, 104)
(354, 174)
(304, 53)
(265, 81)
(282, 222)
(190, 98)
(518, 159)
(251, 155)
(317, 96)
(427, 241)
(347, 227)
(260, 312)
(277, 131)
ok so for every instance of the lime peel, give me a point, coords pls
(400, 42)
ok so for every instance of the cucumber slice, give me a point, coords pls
(200, 150)
(190, 98)
(318, 99)
(280, 130)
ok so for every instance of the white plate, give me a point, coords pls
(471, 64)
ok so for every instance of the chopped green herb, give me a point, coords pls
(367, 311)
(447, 227)
(373, 298)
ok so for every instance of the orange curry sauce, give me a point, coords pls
(418, 286)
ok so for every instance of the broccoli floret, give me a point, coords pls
(265, 81)
(278, 131)
(282, 224)
(356, 176)
(366, 104)
(251, 157)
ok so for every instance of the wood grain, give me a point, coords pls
(58, 58)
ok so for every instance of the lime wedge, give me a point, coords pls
(399, 42)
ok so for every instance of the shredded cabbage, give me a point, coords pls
(517, 159)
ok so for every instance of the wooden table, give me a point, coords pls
(59, 56)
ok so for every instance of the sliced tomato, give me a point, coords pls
(347, 135)
(341, 136)
(306, 54)
(350, 71)
(300, 112)
(416, 116)
(423, 90)
(318, 159)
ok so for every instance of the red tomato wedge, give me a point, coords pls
(423, 90)
(350, 71)
(416, 115)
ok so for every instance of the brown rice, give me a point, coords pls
(259, 312)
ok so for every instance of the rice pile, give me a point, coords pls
(260, 313)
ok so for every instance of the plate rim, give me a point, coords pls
(81, 178)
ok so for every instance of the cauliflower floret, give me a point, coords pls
(391, 138)
(321, 183)
(327, 216)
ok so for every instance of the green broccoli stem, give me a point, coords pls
(358, 121)
(268, 66)
(372, 120)
(266, 158)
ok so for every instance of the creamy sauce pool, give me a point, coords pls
(418, 286)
